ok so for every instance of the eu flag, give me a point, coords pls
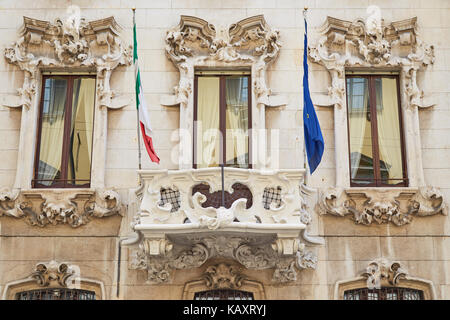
(313, 135)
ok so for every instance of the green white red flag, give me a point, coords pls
(144, 121)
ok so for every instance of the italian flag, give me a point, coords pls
(144, 121)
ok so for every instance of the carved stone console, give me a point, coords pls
(374, 45)
(382, 205)
(259, 237)
(74, 207)
(67, 45)
(248, 44)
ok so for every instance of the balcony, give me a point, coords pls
(255, 217)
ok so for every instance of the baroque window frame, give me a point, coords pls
(368, 45)
(49, 47)
(195, 44)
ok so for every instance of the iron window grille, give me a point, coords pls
(387, 293)
(223, 294)
(272, 195)
(56, 294)
(170, 196)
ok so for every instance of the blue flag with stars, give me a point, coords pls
(313, 135)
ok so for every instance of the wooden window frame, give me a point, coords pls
(61, 183)
(222, 115)
(378, 182)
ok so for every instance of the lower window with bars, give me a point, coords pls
(223, 294)
(56, 294)
(383, 294)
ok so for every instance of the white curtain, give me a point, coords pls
(208, 130)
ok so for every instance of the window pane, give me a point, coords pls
(389, 139)
(52, 130)
(361, 157)
(82, 124)
(237, 122)
(208, 133)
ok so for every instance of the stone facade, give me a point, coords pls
(116, 238)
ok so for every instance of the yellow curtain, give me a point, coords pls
(237, 121)
(208, 130)
(389, 128)
(360, 131)
(52, 131)
(82, 129)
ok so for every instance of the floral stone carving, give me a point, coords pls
(381, 273)
(367, 206)
(44, 207)
(223, 276)
(54, 274)
(253, 252)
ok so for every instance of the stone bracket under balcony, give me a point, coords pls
(260, 226)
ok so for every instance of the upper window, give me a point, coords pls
(222, 110)
(375, 131)
(66, 122)
(384, 294)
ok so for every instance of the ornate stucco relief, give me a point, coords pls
(257, 237)
(250, 44)
(381, 273)
(67, 45)
(252, 251)
(71, 207)
(382, 205)
(374, 45)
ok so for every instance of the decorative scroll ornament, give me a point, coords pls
(69, 43)
(371, 44)
(54, 274)
(196, 42)
(254, 252)
(223, 276)
(381, 273)
(75, 208)
(367, 206)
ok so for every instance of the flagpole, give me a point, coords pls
(305, 160)
(137, 110)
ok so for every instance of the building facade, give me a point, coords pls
(231, 210)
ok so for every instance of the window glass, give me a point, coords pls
(81, 128)
(66, 126)
(237, 121)
(388, 123)
(375, 140)
(208, 130)
(361, 149)
(52, 130)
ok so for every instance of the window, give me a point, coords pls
(383, 294)
(56, 294)
(222, 110)
(223, 294)
(375, 131)
(66, 122)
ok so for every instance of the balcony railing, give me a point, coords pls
(253, 216)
